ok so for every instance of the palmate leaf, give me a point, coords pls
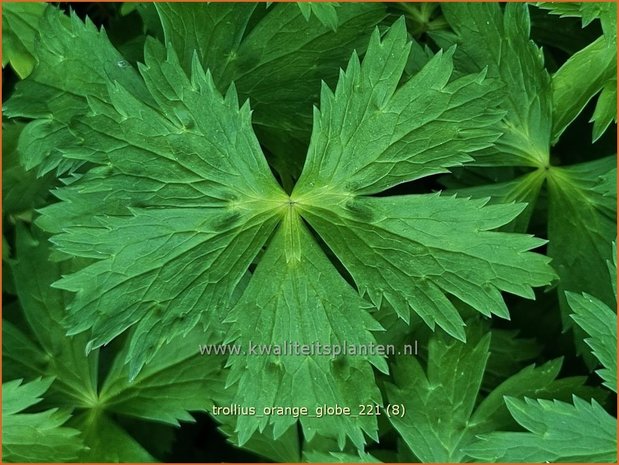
(496, 38)
(206, 179)
(581, 217)
(368, 136)
(582, 199)
(178, 201)
(353, 224)
(34, 437)
(444, 411)
(581, 220)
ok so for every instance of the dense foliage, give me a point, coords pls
(182, 178)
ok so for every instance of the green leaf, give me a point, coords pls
(430, 247)
(355, 151)
(281, 307)
(276, 58)
(325, 12)
(557, 432)
(100, 433)
(44, 309)
(18, 397)
(369, 135)
(599, 322)
(20, 22)
(212, 31)
(605, 110)
(76, 62)
(445, 396)
(207, 180)
(21, 358)
(582, 212)
(509, 354)
(492, 414)
(488, 36)
(524, 190)
(597, 61)
(582, 205)
(587, 11)
(34, 437)
(173, 204)
(178, 380)
(231, 220)
(21, 190)
(581, 218)
(442, 411)
(581, 221)
(587, 73)
(284, 58)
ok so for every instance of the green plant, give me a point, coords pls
(200, 201)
